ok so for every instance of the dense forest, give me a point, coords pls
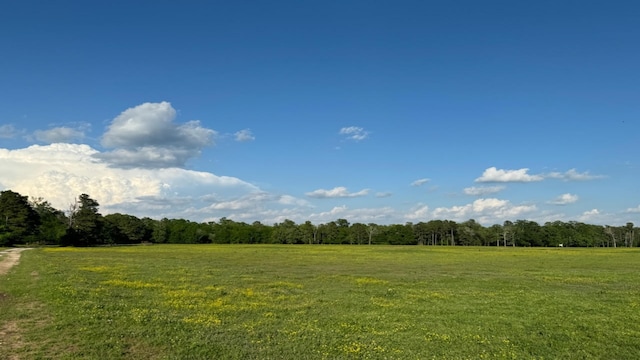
(35, 221)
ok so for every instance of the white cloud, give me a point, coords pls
(61, 172)
(383, 194)
(420, 182)
(147, 157)
(58, 135)
(485, 211)
(564, 199)
(145, 136)
(419, 213)
(589, 216)
(7, 131)
(354, 133)
(244, 135)
(361, 215)
(337, 192)
(573, 175)
(482, 190)
(256, 200)
(272, 215)
(248, 201)
(634, 210)
(493, 174)
(292, 200)
(258, 206)
(333, 214)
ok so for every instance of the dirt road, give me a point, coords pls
(9, 258)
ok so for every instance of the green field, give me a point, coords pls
(321, 302)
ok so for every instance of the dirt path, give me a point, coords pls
(10, 258)
(10, 336)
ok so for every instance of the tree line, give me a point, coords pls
(35, 221)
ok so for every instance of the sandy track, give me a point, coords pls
(9, 258)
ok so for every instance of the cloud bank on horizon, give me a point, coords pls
(142, 172)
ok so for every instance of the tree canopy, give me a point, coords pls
(36, 221)
(18, 220)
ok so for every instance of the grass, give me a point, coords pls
(321, 302)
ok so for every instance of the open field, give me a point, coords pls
(321, 302)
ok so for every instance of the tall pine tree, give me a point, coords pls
(86, 223)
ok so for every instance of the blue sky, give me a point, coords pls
(372, 111)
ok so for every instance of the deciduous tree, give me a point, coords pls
(53, 222)
(18, 221)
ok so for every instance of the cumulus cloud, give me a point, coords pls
(573, 175)
(383, 194)
(146, 136)
(58, 135)
(258, 206)
(247, 201)
(292, 200)
(337, 192)
(493, 174)
(419, 213)
(361, 215)
(244, 135)
(147, 157)
(420, 182)
(482, 190)
(634, 210)
(255, 200)
(354, 133)
(485, 211)
(7, 131)
(564, 199)
(589, 216)
(60, 172)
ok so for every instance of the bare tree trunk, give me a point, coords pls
(73, 209)
(371, 229)
(611, 232)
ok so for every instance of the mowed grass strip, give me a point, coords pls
(321, 302)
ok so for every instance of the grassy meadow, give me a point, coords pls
(321, 302)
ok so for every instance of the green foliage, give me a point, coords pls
(18, 221)
(287, 232)
(399, 234)
(227, 231)
(86, 223)
(126, 229)
(322, 302)
(53, 222)
(85, 226)
(358, 234)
